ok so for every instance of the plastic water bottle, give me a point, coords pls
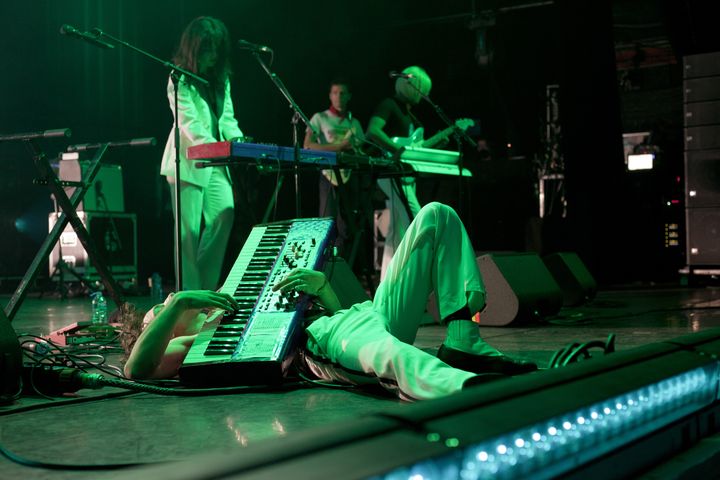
(156, 288)
(99, 308)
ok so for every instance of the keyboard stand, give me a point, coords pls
(67, 206)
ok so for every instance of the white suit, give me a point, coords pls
(205, 193)
(372, 342)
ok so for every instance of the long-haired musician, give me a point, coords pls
(205, 115)
(370, 342)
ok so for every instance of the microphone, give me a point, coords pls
(245, 45)
(394, 74)
(135, 142)
(58, 132)
(71, 31)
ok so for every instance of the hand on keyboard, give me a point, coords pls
(302, 280)
(199, 299)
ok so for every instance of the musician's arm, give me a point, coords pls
(311, 282)
(312, 143)
(156, 353)
(193, 125)
(377, 135)
(327, 297)
(228, 123)
(166, 340)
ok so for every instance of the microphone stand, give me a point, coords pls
(298, 114)
(459, 136)
(175, 74)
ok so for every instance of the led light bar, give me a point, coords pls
(562, 443)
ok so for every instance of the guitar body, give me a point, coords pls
(333, 178)
(416, 139)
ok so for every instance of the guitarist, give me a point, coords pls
(338, 131)
(393, 117)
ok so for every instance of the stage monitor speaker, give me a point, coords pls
(10, 361)
(703, 236)
(576, 283)
(519, 288)
(702, 178)
(115, 236)
(344, 282)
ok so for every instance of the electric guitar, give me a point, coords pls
(416, 139)
(344, 173)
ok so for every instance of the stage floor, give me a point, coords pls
(147, 428)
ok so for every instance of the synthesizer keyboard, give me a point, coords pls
(423, 161)
(256, 344)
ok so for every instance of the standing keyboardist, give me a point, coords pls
(205, 115)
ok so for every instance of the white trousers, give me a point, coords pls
(373, 341)
(399, 220)
(207, 218)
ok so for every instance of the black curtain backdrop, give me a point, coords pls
(52, 81)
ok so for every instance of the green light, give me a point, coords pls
(452, 442)
(433, 437)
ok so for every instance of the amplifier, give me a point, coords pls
(115, 236)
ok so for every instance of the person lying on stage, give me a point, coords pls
(371, 342)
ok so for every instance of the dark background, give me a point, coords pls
(496, 76)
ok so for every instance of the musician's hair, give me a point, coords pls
(131, 326)
(202, 34)
(340, 80)
(408, 87)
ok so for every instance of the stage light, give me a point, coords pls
(31, 221)
(642, 161)
(21, 225)
(613, 416)
(577, 437)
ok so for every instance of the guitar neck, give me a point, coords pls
(437, 138)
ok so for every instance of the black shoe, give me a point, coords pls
(481, 364)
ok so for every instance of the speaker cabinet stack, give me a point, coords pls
(115, 236)
(701, 87)
(102, 212)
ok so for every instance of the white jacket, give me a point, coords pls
(196, 121)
